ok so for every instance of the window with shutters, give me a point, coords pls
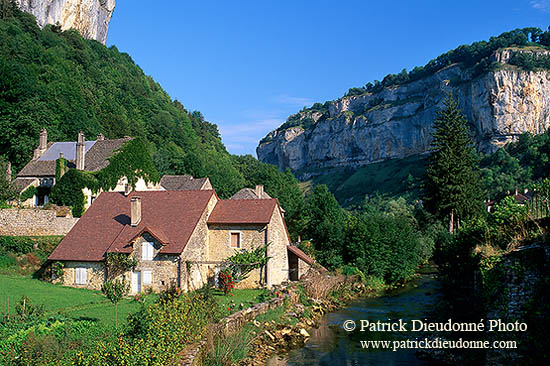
(235, 240)
(147, 277)
(147, 251)
(81, 276)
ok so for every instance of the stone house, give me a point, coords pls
(184, 183)
(81, 154)
(179, 238)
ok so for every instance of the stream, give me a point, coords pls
(330, 345)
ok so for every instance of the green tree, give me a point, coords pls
(115, 290)
(452, 184)
(7, 189)
(325, 224)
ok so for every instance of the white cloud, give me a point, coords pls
(542, 5)
(294, 101)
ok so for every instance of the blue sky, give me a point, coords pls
(248, 65)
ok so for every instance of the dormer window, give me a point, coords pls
(147, 251)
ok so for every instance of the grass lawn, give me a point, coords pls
(72, 302)
(92, 305)
(240, 299)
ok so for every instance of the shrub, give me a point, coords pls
(226, 281)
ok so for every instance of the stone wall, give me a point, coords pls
(194, 270)
(193, 355)
(252, 237)
(164, 268)
(95, 274)
(522, 274)
(277, 267)
(34, 222)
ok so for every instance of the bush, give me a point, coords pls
(226, 281)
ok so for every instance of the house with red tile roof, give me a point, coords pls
(179, 238)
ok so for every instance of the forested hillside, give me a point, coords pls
(61, 81)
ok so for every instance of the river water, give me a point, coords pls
(330, 345)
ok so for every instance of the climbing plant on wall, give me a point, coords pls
(132, 161)
(244, 262)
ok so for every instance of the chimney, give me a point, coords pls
(516, 192)
(100, 137)
(260, 191)
(135, 211)
(42, 144)
(43, 140)
(80, 151)
(526, 191)
(127, 189)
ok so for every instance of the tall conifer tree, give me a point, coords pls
(452, 185)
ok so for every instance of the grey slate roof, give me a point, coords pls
(182, 183)
(97, 155)
(67, 148)
(249, 194)
(23, 183)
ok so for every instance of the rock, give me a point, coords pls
(304, 333)
(90, 17)
(397, 121)
(270, 335)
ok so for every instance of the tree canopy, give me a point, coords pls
(452, 184)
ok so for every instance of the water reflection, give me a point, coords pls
(330, 345)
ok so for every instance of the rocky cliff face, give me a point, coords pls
(90, 17)
(397, 122)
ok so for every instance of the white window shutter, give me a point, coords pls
(147, 277)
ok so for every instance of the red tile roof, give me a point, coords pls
(169, 216)
(257, 211)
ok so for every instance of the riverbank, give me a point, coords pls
(330, 344)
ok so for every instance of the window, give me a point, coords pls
(147, 277)
(81, 276)
(147, 251)
(235, 240)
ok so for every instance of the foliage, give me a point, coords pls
(117, 264)
(7, 189)
(115, 290)
(61, 166)
(46, 78)
(476, 56)
(244, 262)
(17, 244)
(324, 224)
(281, 185)
(68, 190)
(230, 350)
(391, 178)
(530, 61)
(28, 193)
(132, 161)
(226, 281)
(382, 246)
(58, 270)
(452, 184)
(26, 310)
(518, 165)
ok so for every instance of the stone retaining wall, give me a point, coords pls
(522, 271)
(233, 323)
(34, 222)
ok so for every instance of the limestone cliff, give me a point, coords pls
(90, 17)
(396, 122)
